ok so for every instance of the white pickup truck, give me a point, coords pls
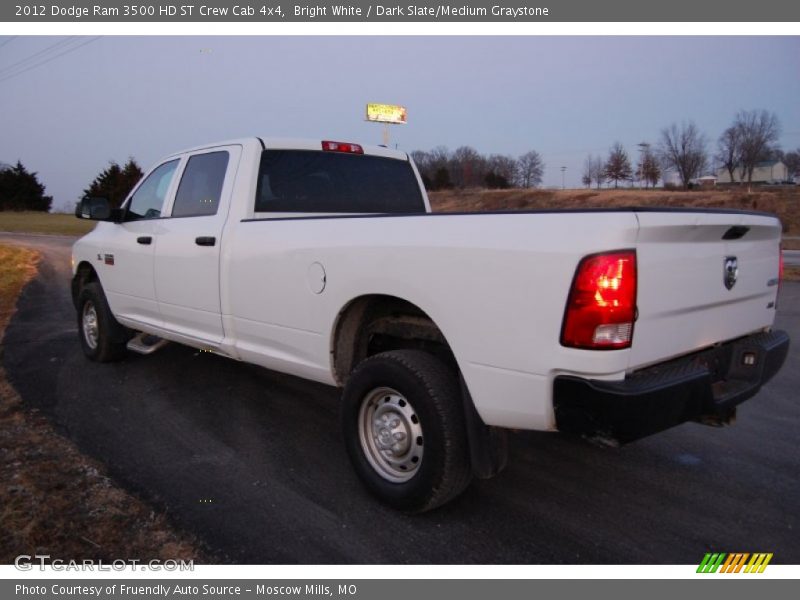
(322, 260)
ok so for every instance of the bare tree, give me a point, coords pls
(618, 165)
(648, 169)
(728, 151)
(434, 167)
(530, 169)
(467, 167)
(684, 150)
(594, 170)
(439, 157)
(421, 159)
(598, 171)
(792, 161)
(504, 169)
(758, 130)
(588, 171)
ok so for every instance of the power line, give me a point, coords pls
(49, 59)
(51, 48)
(10, 39)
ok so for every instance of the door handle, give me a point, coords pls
(205, 240)
(145, 239)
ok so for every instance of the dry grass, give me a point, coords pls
(54, 500)
(783, 202)
(41, 222)
(17, 267)
(791, 273)
(791, 244)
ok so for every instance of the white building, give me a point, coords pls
(768, 171)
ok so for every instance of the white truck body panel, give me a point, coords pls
(495, 284)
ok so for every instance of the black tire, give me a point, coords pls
(108, 343)
(431, 391)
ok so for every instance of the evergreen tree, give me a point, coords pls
(21, 190)
(114, 182)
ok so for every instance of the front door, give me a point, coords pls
(125, 265)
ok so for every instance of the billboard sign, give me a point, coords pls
(387, 113)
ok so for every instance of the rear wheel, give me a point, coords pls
(102, 337)
(404, 429)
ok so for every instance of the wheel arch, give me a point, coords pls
(374, 323)
(84, 273)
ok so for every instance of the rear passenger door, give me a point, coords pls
(188, 249)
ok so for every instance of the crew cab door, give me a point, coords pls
(188, 250)
(125, 264)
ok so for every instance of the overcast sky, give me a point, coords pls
(92, 101)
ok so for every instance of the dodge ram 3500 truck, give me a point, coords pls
(323, 260)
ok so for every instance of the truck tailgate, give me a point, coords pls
(683, 301)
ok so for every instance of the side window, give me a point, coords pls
(149, 198)
(201, 185)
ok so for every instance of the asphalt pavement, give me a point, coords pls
(252, 461)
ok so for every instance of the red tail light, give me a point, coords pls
(780, 273)
(342, 147)
(601, 307)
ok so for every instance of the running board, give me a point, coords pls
(144, 343)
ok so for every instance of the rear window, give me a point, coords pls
(309, 181)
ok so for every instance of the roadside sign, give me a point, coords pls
(387, 113)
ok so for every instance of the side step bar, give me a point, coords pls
(144, 343)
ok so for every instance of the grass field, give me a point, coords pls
(53, 499)
(41, 222)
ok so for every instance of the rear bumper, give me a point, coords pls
(705, 386)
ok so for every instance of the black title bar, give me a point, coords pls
(271, 11)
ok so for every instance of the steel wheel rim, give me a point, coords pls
(390, 434)
(90, 328)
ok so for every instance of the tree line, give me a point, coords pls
(21, 190)
(465, 167)
(751, 138)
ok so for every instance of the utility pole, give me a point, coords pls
(644, 148)
(563, 170)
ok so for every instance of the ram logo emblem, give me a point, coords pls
(731, 271)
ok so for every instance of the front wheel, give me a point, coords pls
(404, 430)
(102, 338)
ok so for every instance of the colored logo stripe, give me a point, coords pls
(710, 563)
(759, 561)
(734, 562)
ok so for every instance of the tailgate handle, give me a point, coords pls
(205, 240)
(736, 232)
(145, 239)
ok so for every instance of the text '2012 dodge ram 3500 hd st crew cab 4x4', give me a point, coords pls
(322, 260)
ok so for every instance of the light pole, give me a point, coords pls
(563, 170)
(644, 148)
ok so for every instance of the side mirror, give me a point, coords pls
(96, 209)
